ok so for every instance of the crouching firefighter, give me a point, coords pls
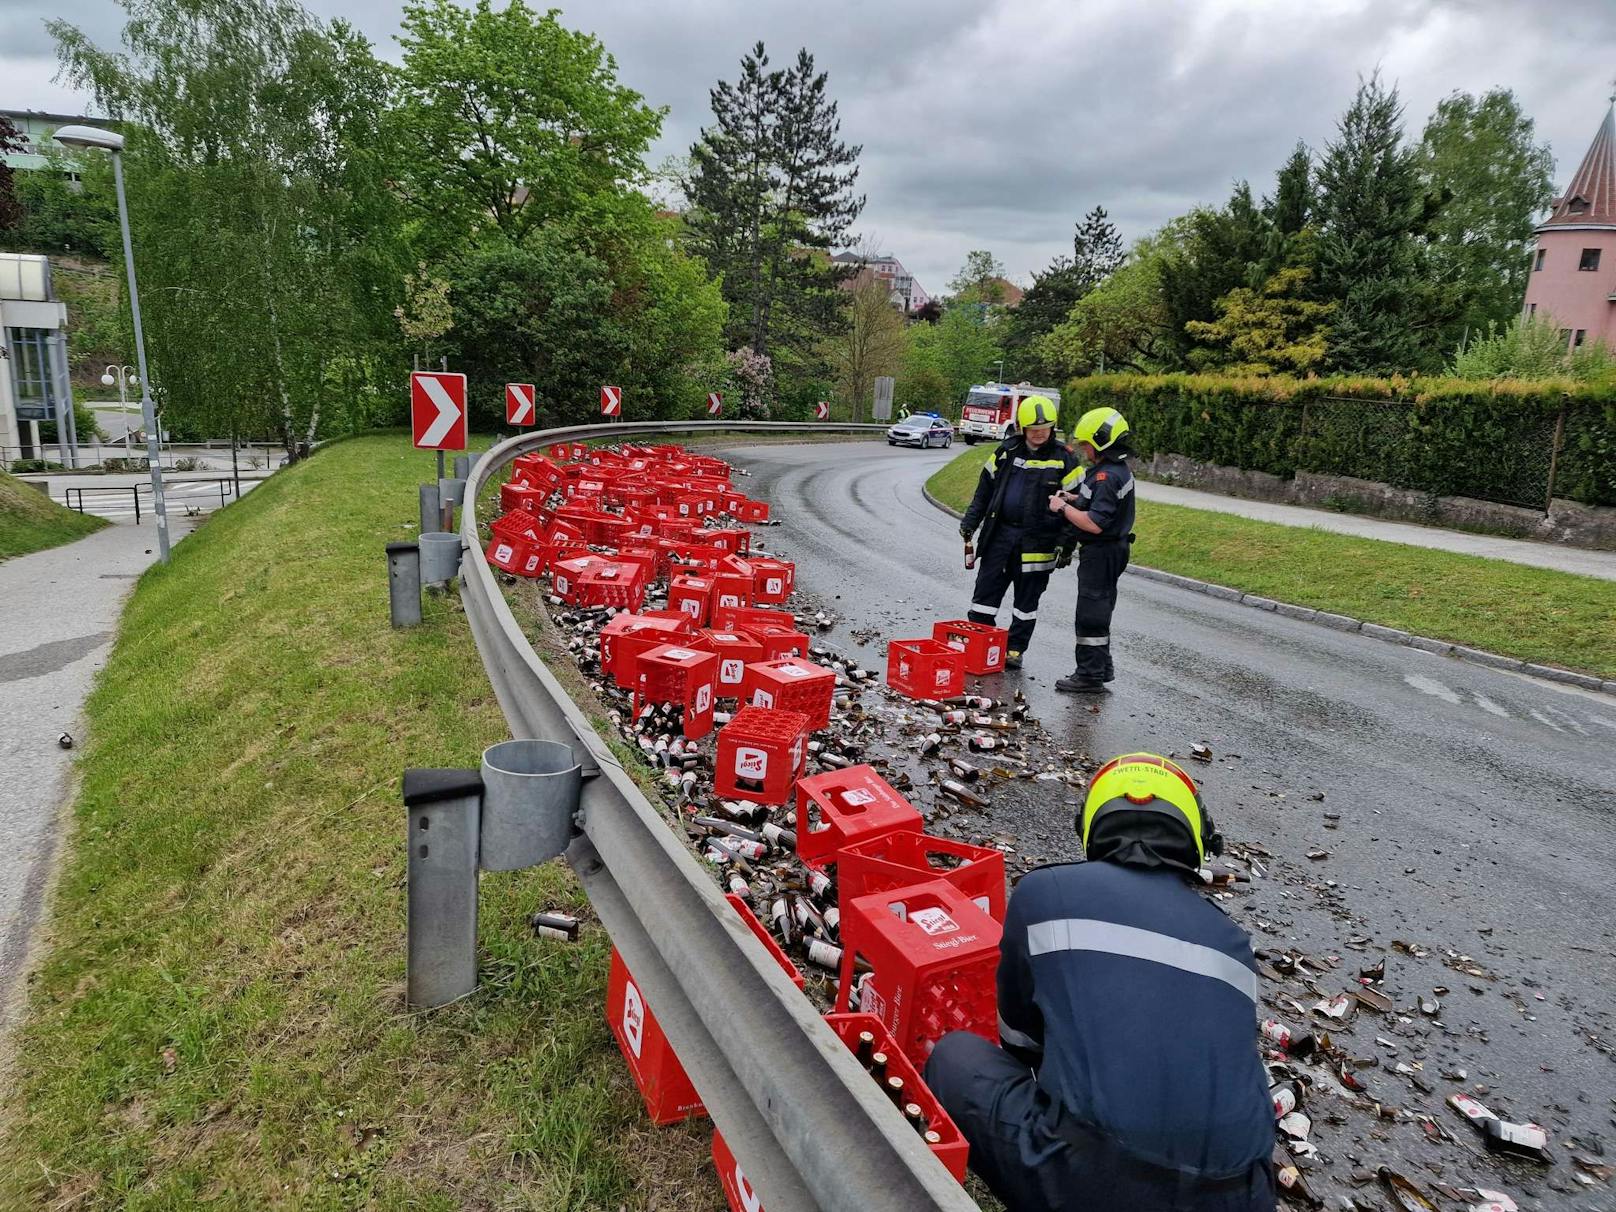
(1128, 1075)
(1021, 542)
(1102, 510)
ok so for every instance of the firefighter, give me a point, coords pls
(1021, 542)
(1128, 1075)
(1102, 510)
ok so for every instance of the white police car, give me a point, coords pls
(922, 429)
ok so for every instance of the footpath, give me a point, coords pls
(61, 610)
(1516, 551)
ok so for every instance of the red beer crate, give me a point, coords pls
(774, 579)
(625, 636)
(644, 557)
(761, 753)
(707, 465)
(516, 555)
(898, 859)
(734, 539)
(744, 509)
(517, 524)
(736, 650)
(691, 595)
(779, 644)
(767, 939)
(750, 618)
(934, 959)
(662, 1081)
(732, 589)
(672, 673)
(984, 646)
(952, 1149)
(925, 669)
(738, 1193)
(791, 683)
(522, 496)
(592, 580)
(838, 808)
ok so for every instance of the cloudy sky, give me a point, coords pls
(996, 123)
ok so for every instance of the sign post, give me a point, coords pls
(519, 404)
(611, 402)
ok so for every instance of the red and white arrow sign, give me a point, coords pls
(715, 403)
(438, 410)
(822, 410)
(611, 401)
(519, 404)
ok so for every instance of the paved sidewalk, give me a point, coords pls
(1517, 551)
(61, 610)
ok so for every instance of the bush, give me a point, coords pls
(21, 465)
(1444, 436)
(1530, 347)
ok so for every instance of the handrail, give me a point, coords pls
(804, 1120)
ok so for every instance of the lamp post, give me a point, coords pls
(112, 141)
(125, 375)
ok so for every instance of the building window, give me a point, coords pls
(1579, 205)
(1538, 264)
(1590, 260)
(1531, 309)
(31, 374)
(1565, 336)
(1577, 341)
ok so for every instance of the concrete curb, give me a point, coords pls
(1341, 622)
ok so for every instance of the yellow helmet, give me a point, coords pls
(1148, 812)
(1100, 427)
(1035, 410)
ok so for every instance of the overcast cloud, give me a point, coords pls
(996, 123)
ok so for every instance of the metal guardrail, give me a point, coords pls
(804, 1120)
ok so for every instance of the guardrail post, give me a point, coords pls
(430, 517)
(404, 584)
(444, 810)
(462, 468)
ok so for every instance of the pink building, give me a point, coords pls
(1573, 277)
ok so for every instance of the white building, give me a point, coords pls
(34, 384)
(907, 294)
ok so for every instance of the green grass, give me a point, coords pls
(1539, 615)
(31, 521)
(219, 1019)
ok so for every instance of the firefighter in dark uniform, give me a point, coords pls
(1021, 541)
(1129, 1075)
(1102, 510)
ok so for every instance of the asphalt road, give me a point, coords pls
(1475, 807)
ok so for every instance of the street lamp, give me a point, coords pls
(125, 376)
(112, 141)
(1000, 371)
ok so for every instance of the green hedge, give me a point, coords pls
(1447, 437)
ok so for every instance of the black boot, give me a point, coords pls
(1076, 683)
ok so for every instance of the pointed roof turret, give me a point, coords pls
(1590, 199)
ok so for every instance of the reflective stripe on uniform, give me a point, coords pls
(1111, 938)
(1042, 462)
(1087, 490)
(981, 609)
(1094, 641)
(1024, 615)
(1125, 490)
(1037, 557)
(989, 466)
(1072, 477)
(1017, 1039)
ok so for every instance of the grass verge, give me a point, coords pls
(1535, 614)
(219, 1018)
(31, 521)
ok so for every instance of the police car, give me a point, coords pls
(922, 429)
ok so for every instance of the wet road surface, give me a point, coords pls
(1475, 807)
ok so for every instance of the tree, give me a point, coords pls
(1478, 154)
(1373, 217)
(872, 344)
(1097, 252)
(962, 349)
(1215, 255)
(980, 280)
(1272, 329)
(58, 215)
(1288, 215)
(1123, 323)
(771, 189)
(11, 211)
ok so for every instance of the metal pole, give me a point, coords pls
(1554, 457)
(445, 819)
(147, 411)
(404, 584)
(429, 508)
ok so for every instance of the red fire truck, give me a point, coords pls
(990, 410)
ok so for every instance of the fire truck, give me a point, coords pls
(990, 410)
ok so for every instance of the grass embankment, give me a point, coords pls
(220, 1017)
(31, 521)
(1535, 614)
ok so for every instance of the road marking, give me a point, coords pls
(1432, 687)
(1543, 719)
(1569, 720)
(1486, 704)
(1603, 722)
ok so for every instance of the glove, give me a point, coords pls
(1062, 559)
(966, 534)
